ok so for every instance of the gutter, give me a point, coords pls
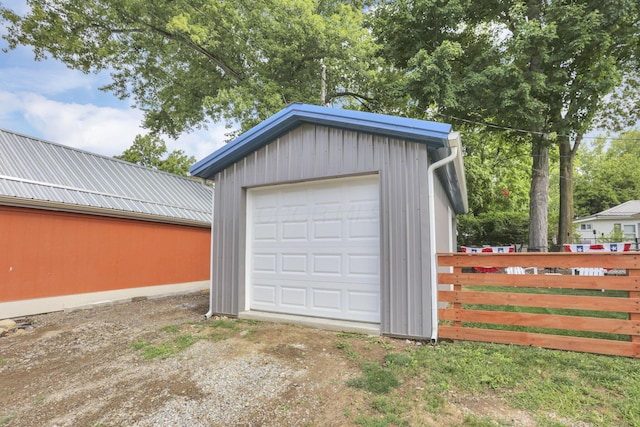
(454, 140)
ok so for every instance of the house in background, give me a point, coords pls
(333, 217)
(623, 218)
(77, 229)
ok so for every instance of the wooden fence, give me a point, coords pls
(469, 313)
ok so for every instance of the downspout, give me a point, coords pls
(432, 241)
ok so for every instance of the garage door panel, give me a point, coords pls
(265, 232)
(364, 229)
(363, 301)
(329, 263)
(293, 297)
(314, 249)
(363, 265)
(295, 230)
(265, 263)
(264, 295)
(327, 229)
(326, 299)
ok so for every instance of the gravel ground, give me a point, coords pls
(83, 369)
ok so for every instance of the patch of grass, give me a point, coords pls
(3, 362)
(165, 349)
(224, 324)
(475, 421)
(5, 419)
(171, 329)
(375, 379)
(348, 349)
(398, 359)
(40, 399)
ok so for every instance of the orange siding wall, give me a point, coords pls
(47, 253)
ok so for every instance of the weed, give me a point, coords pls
(3, 362)
(343, 345)
(354, 335)
(374, 379)
(171, 329)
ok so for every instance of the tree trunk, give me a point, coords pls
(539, 197)
(565, 220)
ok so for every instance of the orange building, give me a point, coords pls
(78, 229)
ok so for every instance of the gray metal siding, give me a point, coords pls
(315, 152)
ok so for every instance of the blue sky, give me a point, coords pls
(47, 100)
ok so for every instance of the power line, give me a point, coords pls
(530, 132)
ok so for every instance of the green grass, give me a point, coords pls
(178, 340)
(164, 349)
(375, 379)
(555, 388)
(5, 419)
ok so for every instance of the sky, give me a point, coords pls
(47, 100)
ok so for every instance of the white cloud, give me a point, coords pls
(102, 130)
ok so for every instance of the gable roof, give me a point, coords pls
(630, 209)
(39, 173)
(437, 136)
(294, 115)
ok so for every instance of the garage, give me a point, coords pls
(332, 218)
(314, 248)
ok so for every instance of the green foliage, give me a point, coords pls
(375, 379)
(189, 62)
(608, 174)
(151, 151)
(557, 68)
(493, 228)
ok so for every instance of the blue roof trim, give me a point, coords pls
(435, 135)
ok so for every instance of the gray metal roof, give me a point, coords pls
(40, 173)
(630, 209)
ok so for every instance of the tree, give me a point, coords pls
(497, 184)
(608, 174)
(545, 67)
(186, 62)
(151, 151)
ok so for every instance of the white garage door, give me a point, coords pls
(313, 249)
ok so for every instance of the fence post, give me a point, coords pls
(635, 339)
(457, 306)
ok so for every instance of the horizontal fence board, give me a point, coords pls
(620, 260)
(551, 321)
(557, 342)
(625, 305)
(612, 283)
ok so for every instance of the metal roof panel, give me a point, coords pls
(32, 169)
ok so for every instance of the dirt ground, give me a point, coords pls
(89, 368)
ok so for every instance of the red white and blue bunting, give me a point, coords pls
(599, 247)
(488, 249)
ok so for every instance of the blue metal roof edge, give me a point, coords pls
(433, 133)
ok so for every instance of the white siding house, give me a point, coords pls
(624, 217)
